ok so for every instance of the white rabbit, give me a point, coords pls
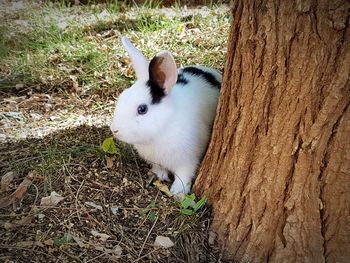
(167, 114)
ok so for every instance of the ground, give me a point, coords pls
(61, 69)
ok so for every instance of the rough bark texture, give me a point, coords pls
(277, 170)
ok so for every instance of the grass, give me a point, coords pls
(59, 42)
(73, 54)
(51, 163)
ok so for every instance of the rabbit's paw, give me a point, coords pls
(160, 172)
(180, 187)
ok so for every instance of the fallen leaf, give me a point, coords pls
(116, 252)
(109, 162)
(18, 194)
(164, 242)
(67, 179)
(129, 72)
(17, 223)
(40, 216)
(92, 204)
(114, 210)
(80, 242)
(103, 237)
(49, 242)
(162, 187)
(51, 200)
(6, 180)
(19, 86)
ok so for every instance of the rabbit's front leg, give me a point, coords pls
(160, 172)
(183, 180)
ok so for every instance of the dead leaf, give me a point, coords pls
(109, 162)
(129, 72)
(164, 242)
(116, 252)
(80, 242)
(17, 195)
(114, 210)
(51, 200)
(40, 216)
(49, 242)
(6, 180)
(19, 86)
(17, 223)
(92, 204)
(67, 179)
(103, 237)
(162, 187)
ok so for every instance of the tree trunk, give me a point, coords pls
(277, 170)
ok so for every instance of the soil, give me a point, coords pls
(62, 199)
(107, 214)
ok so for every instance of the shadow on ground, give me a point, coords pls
(108, 214)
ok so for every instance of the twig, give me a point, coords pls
(138, 169)
(150, 209)
(76, 199)
(103, 186)
(69, 255)
(23, 248)
(36, 196)
(149, 233)
(98, 256)
(145, 255)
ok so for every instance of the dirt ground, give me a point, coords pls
(62, 198)
(107, 214)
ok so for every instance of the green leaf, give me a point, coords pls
(187, 201)
(152, 216)
(108, 146)
(187, 212)
(63, 240)
(200, 203)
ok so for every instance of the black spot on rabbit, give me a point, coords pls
(210, 78)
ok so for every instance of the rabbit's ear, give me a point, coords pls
(138, 60)
(163, 71)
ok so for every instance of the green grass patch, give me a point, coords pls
(59, 41)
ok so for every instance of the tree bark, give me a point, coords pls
(277, 170)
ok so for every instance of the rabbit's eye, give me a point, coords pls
(142, 109)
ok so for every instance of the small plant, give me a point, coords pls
(108, 146)
(189, 207)
(152, 216)
(66, 239)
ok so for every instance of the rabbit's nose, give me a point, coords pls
(115, 133)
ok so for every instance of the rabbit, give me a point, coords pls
(167, 115)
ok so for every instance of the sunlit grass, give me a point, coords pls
(84, 42)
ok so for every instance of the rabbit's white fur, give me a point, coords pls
(174, 133)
